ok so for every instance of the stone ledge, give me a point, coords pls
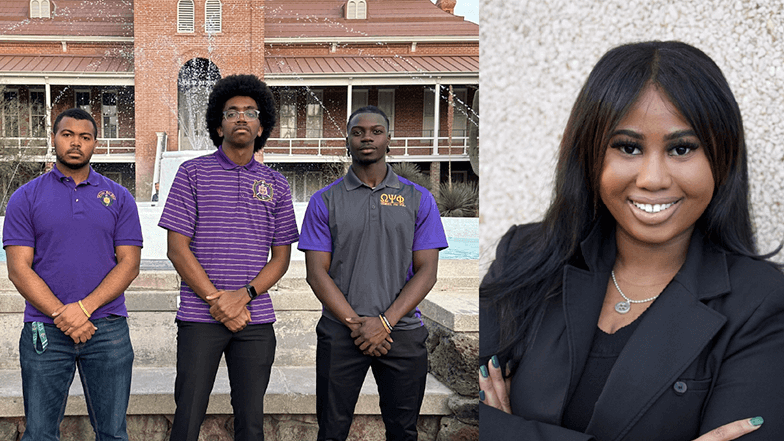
(291, 391)
(457, 310)
(166, 300)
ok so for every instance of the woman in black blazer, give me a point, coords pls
(639, 308)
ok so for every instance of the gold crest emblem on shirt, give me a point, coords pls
(262, 191)
(107, 198)
(393, 200)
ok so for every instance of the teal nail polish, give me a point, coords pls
(481, 395)
(756, 421)
(483, 371)
(496, 364)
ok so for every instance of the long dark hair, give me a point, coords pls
(531, 273)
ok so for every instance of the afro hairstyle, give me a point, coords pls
(241, 85)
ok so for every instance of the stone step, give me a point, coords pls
(152, 304)
(292, 390)
(159, 275)
(154, 332)
(166, 300)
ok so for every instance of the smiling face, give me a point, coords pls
(74, 142)
(656, 180)
(242, 132)
(368, 138)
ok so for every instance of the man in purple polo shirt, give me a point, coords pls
(224, 214)
(371, 242)
(73, 243)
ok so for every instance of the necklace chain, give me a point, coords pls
(624, 306)
(612, 272)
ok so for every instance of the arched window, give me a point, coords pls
(39, 9)
(356, 9)
(185, 16)
(361, 10)
(194, 84)
(212, 16)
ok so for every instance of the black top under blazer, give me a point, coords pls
(708, 351)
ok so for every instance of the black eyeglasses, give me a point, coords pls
(233, 115)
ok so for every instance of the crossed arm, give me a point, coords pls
(70, 318)
(368, 332)
(228, 307)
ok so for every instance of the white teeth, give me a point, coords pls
(648, 208)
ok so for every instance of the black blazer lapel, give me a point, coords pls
(583, 295)
(551, 367)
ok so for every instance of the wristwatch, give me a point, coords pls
(251, 291)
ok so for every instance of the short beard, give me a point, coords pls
(77, 166)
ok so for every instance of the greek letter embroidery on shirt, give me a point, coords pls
(394, 200)
(262, 191)
(107, 198)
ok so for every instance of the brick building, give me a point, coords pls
(143, 68)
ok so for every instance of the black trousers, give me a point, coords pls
(249, 356)
(340, 371)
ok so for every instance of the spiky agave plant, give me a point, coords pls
(462, 200)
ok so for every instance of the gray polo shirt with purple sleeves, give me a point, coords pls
(233, 215)
(372, 234)
(73, 230)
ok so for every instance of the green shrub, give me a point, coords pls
(412, 172)
(462, 200)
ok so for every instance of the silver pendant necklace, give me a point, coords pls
(624, 306)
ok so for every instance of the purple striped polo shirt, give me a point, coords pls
(233, 215)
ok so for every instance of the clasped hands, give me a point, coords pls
(494, 392)
(230, 308)
(369, 335)
(74, 322)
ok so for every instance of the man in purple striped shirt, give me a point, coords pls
(224, 214)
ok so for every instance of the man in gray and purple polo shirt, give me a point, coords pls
(224, 214)
(371, 242)
(73, 243)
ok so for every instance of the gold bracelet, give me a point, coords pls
(384, 324)
(83, 309)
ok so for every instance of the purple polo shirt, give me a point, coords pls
(73, 230)
(233, 215)
(372, 234)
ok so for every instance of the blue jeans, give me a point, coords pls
(104, 363)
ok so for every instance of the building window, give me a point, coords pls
(288, 114)
(83, 100)
(212, 16)
(194, 84)
(428, 112)
(39, 9)
(459, 128)
(109, 114)
(359, 99)
(37, 114)
(185, 16)
(386, 102)
(315, 123)
(10, 113)
(356, 9)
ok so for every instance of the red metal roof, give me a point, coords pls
(105, 18)
(65, 63)
(358, 64)
(284, 19)
(386, 18)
